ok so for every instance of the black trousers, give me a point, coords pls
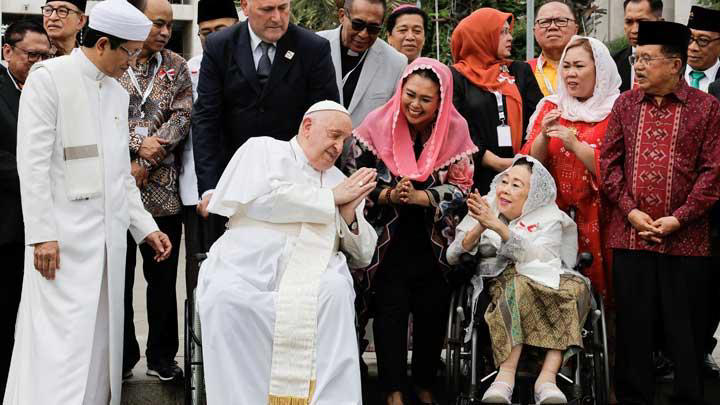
(162, 344)
(12, 255)
(713, 306)
(672, 289)
(413, 284)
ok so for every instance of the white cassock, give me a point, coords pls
(269, 190)
(68, 339)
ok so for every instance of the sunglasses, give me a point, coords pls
(360, 25)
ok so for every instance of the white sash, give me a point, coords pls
(293, 370)
(81, 149)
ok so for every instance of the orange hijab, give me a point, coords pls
(474, 49)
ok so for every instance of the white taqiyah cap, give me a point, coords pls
(326, 105)
(121, 19)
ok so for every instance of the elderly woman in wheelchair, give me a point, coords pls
(527, 248)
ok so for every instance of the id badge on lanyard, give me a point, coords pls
(503, 130)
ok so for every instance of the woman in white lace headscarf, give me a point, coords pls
(566, 133)
(527, 248)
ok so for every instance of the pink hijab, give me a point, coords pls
(386, 134)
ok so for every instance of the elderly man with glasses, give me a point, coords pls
(554, 26)
(366, 67)
(660, 172)
(63, 20)
(25, 43)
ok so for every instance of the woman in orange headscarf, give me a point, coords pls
(482, 75)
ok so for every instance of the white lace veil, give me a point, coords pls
(543, 191)
(607, 88)
(540, 204)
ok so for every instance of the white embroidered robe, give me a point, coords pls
(69, 333)
(237, 290)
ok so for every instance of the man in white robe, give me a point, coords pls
(78, 200)
(275, 295)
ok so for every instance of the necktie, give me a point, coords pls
(264, 65)
(696, 77)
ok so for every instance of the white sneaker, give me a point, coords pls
(549, 393)
(498, 393)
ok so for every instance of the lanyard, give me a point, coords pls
(344, 79)
(149, 88)
(539, 68)
(500, 107)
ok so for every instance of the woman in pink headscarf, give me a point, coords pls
(421, 148)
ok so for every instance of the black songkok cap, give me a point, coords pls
(704, 19)
(663, 33)
(80, 4)
(214, 9)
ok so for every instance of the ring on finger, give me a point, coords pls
(361, 184)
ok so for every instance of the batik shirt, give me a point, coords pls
(165, 114)
(664, 160)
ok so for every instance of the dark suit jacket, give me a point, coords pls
(714, 88)
(623, 65)
(11, 223)
(231, 105)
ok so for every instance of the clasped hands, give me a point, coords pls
(551, 129)
(46, 256)
(479, 209)
(652, 230)
(353, 190)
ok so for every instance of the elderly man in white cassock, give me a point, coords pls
(78, 200)
(275, 295)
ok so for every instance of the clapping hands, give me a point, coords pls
(479, 209)
(551, 129)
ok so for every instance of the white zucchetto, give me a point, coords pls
(121, 19)
(326, 105)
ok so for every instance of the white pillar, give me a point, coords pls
(530, 35)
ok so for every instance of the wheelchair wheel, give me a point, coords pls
(452, 346)
(600, 357)
(194, 376)
(187, 357)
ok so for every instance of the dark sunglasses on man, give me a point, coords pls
(359, 25)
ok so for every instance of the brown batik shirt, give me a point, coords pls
(165, 114)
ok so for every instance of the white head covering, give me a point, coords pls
(607, 88)
(121, 19)
(326, 105)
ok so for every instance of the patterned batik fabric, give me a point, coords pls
(663, 159)
(524, 312)
(165, 114)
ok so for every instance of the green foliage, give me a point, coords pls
(710, 3)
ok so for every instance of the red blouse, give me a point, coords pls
(665, 161)
(578, 191)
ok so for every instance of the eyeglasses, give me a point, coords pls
(645, 60)
(131, 55)
(560, 22)
(62, 12)
(360, 25)
(35, 55)
(702, 42)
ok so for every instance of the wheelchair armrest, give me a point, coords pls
(584, 260)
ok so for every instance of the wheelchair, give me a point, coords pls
(584, 378)
(194, 375)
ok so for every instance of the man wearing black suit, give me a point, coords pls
(25, 43)
(635, 11)
(257, 78)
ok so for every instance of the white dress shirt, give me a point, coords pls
(709, 75)
(257, 50)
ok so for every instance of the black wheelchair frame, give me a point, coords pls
(589, 381)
